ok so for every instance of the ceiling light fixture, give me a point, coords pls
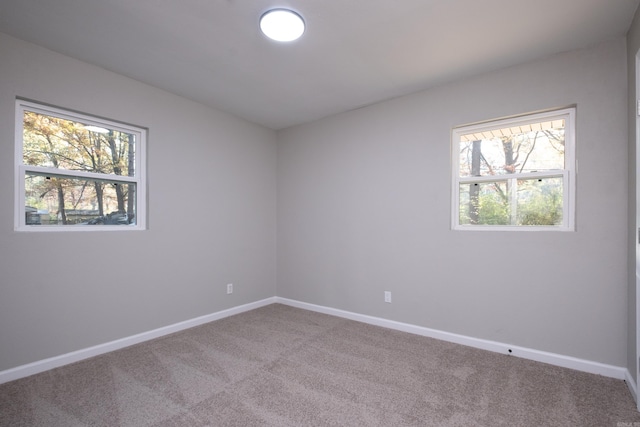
(282, 25)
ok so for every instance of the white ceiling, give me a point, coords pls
(354, 52)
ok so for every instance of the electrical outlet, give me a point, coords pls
(387, 296)
(230, 288)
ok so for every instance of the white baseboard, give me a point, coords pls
(633, 386)
(525, 353)
(75, 356)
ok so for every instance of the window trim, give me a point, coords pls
(568, 174)
(21, 169)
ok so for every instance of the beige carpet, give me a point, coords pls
(282, 366)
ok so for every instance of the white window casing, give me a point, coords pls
(136, 179)
(506, 128)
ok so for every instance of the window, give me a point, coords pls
(515, 173)
(77, 172)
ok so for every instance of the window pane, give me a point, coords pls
(534, 202)
(59, 143)
(537, 146)
(484, 203)
(52, 200)
(540, 201)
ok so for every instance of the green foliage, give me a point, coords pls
(538, 203)
(493, 210)
(543, 206)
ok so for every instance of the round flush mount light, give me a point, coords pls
(282, 25)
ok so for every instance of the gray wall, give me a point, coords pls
(212, 218)
(364, 207)
(633, 45)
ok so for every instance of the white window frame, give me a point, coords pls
(568, 174)
(22, 169)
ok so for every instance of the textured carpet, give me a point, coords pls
(282, 366)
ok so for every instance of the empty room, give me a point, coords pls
(413, 213)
